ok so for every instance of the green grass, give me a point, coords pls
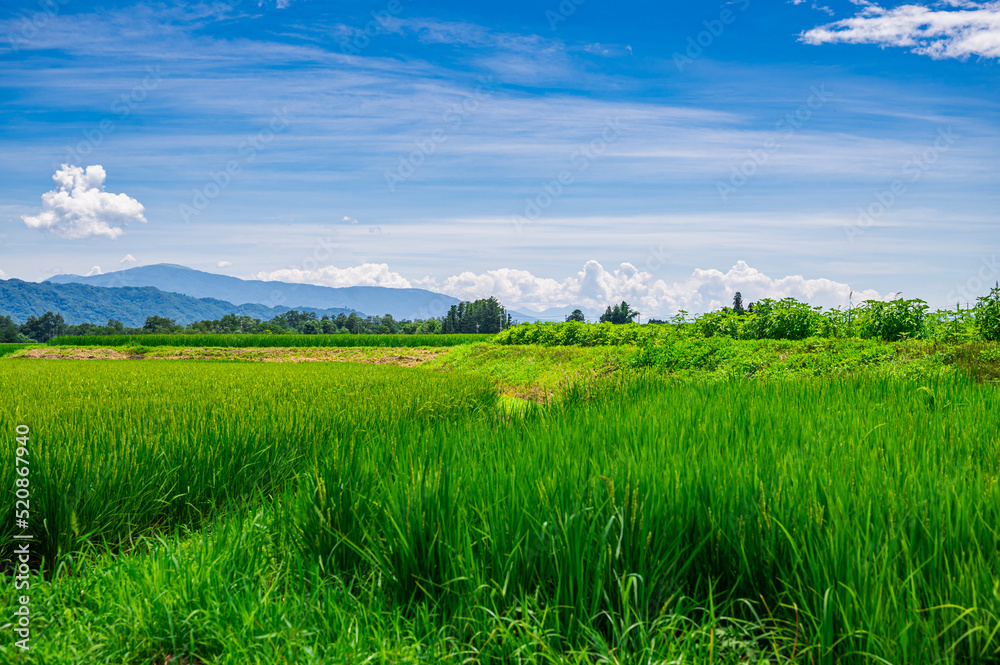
(8, 348)
(122, 449)
(542, 372)
(238, 513)
(269, 341)
(534, 372)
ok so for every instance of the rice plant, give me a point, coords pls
(270, 341)
(229, 513)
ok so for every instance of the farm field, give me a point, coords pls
(269, 341)
(748, 502)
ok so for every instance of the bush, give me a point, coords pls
(890, 321)
(988, 315)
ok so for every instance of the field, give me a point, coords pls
(7, 349)
(269, 341)
(733, 502)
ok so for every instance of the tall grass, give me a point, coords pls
(269, 341)
(832, 520)
(862, 512)
(8, 348)
(121, 450)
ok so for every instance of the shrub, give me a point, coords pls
(988, 314)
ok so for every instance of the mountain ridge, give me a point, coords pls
(82, 303)
(174, 278)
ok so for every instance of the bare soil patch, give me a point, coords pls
(408, 357)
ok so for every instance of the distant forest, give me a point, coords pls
(480, 316)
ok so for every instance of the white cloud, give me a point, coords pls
(594, 287)
(224, 264)
(128, 260)
(368, 274)
(96, 270)
(349, 220)
(939, 30)
(4, 275)
(80, 208)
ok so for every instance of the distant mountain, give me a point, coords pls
(82, 303)
(558, 314)
(373, 300)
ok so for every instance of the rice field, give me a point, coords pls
(338, 513)
(270, 341)
(8, 348)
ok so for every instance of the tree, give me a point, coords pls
(486, 315)
(738, 304)
(44, 327)
(619, 314)
(160, 325)
(576, 315)
(9, 331)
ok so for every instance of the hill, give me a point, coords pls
(82, 303)
(374, 300)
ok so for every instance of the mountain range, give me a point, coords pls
(187, 295)
(369, 300)
(82, 303)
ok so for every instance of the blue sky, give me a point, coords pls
(552, 154)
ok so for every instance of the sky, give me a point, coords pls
(562, 153)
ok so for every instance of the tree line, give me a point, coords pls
(480, 316)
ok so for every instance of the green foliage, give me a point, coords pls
(572, 333)
(619, 314)
(6, 348)
(987, 314)
(892, 320)
(789, 319)
(485, 316)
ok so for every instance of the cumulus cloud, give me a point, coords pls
(948, 29)
(367, 274)
(594, 287)
(224, 264)
(96, 270)
(4, 275)
(128, 260)
(80, 208)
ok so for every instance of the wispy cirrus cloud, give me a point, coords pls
(950, 29)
